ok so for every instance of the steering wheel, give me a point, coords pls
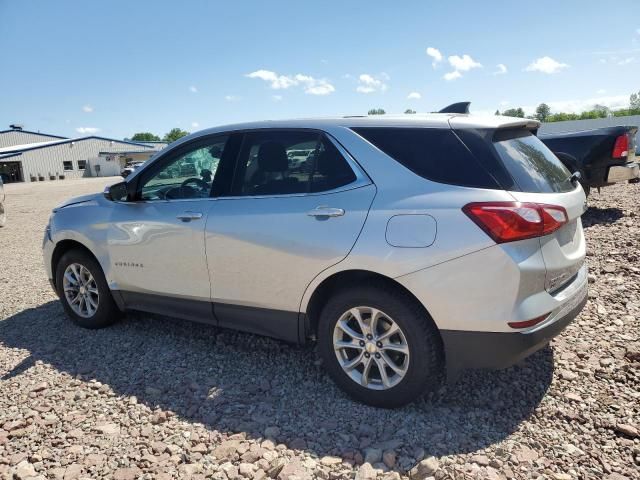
(198, 181)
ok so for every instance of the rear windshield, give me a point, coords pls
(436, 154)
(533, 167)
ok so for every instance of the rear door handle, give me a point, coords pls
(326, 212)
(188, 216)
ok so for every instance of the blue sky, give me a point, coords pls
(118, 67)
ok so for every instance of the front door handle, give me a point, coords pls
(326, 212)
(188, 216)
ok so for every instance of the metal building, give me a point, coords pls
(42, 157)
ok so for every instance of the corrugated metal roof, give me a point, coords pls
(33, 146)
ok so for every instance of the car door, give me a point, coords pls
(297, 206)
(156, 240)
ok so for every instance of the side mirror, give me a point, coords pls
(117, 192)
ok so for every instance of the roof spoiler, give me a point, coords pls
(460, 107)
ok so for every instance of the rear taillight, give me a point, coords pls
(511, 221)
(621, 147)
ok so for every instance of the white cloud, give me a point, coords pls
(504, 103)
(435, 54)
(414, 96)
(195, 124)
(463, 63)
(460, 64)
(452, 75)
(277, 98)
(193, 89)
(87, 130)
(626, 61)
(546, 65)
(501, 69)
(87, 109)
(601, 91)
(310, 85)
(232, 98)
(369, 83)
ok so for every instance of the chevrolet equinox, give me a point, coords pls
(408, 247)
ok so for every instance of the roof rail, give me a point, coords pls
(460, 107)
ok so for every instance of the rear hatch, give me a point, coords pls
(530, 172)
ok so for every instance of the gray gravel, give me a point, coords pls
(160, 398)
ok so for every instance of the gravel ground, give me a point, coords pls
(160, 398)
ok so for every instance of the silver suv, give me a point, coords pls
(409, 248)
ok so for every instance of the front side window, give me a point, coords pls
(188, 175)
(67, 165)
(290, 162)
(82, 164)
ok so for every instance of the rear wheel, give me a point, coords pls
(380, 346)
(84, 292)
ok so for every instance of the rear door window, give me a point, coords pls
(532, 165)
(286, 162)
(436, 154)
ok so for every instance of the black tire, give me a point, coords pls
(107, 311)
(425, 370)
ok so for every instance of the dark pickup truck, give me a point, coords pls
(603, 156)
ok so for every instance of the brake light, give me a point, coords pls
(528, 323)
(511, 221)
(621, 147)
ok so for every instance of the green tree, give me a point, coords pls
(542, 112)
(145, 137)
(376, 111)
(408, 110)
(601, 109)
(497, 112)
(174, 135)
(514, 112)
(634, 101)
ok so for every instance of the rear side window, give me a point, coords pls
(532, 165)
(433, 153)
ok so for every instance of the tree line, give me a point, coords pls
(171, 136)
(543, 112)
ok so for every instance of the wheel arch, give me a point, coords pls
(62, 247)
(323, 291)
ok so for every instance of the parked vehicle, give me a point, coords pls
(3, 214)
(603, 156)
(416, 247)
(130, 168)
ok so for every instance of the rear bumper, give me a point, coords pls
(622, 173)
(495, 350)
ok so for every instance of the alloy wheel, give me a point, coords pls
(371, 348)
(81, 290)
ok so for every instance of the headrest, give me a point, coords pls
(272, 157)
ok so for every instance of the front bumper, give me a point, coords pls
(495, 350)
(622, 173)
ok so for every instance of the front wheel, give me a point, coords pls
(84, 292)
(380, 346)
